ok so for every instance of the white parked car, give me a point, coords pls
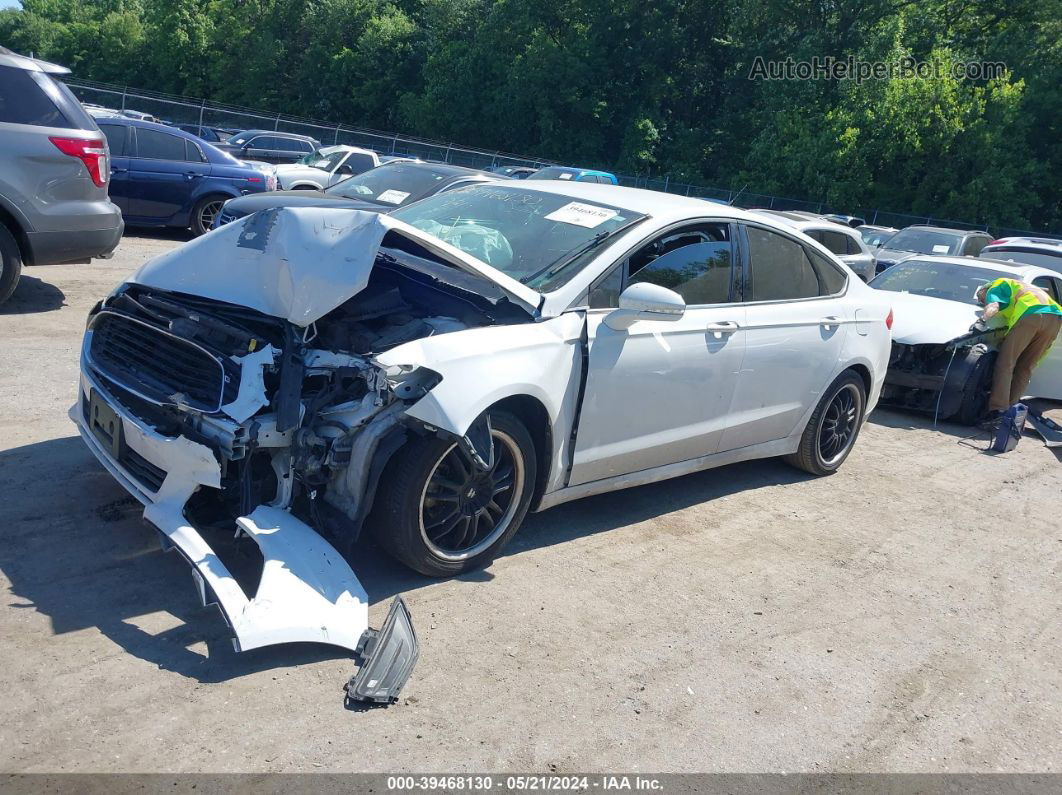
(439, 371)
(844, 241)
(1044, 252)
(325, 167)
(938, 365)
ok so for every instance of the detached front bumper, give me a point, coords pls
(307, 591)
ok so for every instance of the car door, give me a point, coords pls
(658, 392)
(118, 144)
(795, 323)
(1047, 377)
(163, 177)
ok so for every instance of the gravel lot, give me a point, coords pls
(902, 615)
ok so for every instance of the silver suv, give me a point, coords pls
(54, 168)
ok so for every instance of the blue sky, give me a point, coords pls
(8, 3)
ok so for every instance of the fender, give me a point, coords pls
(482, 366)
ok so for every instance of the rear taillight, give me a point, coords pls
(888, 320)
(997, 242)
(254, 179)
(89, 151)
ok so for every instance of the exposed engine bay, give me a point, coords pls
(302, 413)
(279, 430)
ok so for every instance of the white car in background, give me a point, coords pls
(439, 371)
(1044, 252)
(844, 241)
(325, 167)
(938, 365)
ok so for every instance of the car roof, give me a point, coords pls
(648, 202)
(878, 228)
(1016, 270)
(802, 221)
(1045, 244)
(947, 229)
(9, 58)
(277, 133)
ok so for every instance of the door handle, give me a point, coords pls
(192, 174)
(116, 170)
(722, 327)
(829, 321)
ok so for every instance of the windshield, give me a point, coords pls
(327, 158)
(391, 185)
(555, 172)
(936, 279)
(925, 241)
(528, 235)
(875, 237)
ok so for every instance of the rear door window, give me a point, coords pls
(835, 242)
(192, 152)
(783, 270)
(155, 145)
(117, 138)
(24, 99)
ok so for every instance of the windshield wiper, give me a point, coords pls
(555, 267)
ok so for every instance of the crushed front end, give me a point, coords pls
(948, 380)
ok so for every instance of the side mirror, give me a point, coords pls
(644, 301)
(345, 169)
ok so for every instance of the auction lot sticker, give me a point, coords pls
(582, 215)
(392, 196)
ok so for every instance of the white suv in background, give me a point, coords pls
(325, 167)
(1042, 251)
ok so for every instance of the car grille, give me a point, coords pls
(156, 364)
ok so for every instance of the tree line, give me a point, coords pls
(638, 86)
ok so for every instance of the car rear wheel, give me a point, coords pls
(440, 514)
(204, 213)
(10, 264)
(833, 428)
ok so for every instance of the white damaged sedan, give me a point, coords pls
(436, 373)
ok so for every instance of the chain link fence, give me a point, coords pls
(186, 110)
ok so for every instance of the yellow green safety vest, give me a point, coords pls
(1023, 298)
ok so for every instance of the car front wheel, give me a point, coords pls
(833, 428)
(440, 514)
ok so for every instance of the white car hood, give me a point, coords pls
(920, 319)
(299, 263)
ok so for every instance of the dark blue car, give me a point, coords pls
(162, 176)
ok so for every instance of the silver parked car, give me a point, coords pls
(54, 168)
(933, 240)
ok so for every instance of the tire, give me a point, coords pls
(204, 212)
(820, 451)
(10, 264)
(431, 482)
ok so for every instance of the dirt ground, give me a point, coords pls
(902, 615)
